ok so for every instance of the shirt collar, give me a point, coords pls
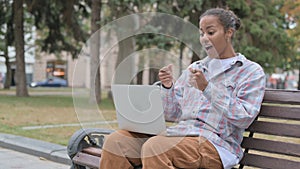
(240, 59)
(215, 66)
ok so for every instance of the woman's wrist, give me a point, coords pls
(167, 87)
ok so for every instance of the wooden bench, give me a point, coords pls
(272, 141)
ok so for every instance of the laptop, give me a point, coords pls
(140, 109)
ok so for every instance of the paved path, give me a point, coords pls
(10, 159)
(17, 152)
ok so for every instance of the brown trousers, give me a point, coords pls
(124, 150)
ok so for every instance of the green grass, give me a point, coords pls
(38, 101)
(47, 109)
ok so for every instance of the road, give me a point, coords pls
(10, 159)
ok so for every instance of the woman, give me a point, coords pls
(215, 98)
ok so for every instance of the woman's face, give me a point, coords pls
(213, 38)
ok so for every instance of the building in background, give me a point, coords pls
(75, 71)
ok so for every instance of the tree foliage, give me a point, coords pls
(59, 24)
(64, 25)
(262, 37)
(6, 37)
(290, 10)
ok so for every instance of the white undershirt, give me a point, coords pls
(228, 159)
(228, 61)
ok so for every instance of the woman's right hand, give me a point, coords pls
(165, 75)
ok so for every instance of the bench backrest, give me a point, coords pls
(273, 139)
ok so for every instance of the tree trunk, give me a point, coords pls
(123, 74)
(181, 56)
(95, 85)
(299, 79)
(8, 75)
(195, 57)
(141, 65)
(21, 89)
(153, 75)
(139, 78)
(194, 18)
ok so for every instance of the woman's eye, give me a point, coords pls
(210, 33)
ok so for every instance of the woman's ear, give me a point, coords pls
(229, 33)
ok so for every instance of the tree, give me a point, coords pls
(129, 45)
(262, 37)
(7, 37)
(126, 46)
(290, 9)
(265, 35)
(21, 89)
(152, 40)
(95, 88)
(60, 24)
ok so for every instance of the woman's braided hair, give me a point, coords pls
(227, 18)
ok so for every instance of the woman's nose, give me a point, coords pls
(204, 39)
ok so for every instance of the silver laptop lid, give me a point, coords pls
(139, 108)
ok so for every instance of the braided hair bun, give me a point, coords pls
(227, 18)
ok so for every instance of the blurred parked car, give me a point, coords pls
(50, 82)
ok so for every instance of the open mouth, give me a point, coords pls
(207, 47)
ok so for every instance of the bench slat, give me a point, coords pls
(86, 160)
(282, 96)
(272, 146)
(279, 129)
(268, 162)
(93, 151)
(278, 112)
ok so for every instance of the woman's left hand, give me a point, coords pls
(197, 79)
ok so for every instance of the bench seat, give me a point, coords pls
(271, 141)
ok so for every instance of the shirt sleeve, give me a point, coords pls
(171, 97)
(242, 107)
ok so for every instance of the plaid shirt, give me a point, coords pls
(226, 107)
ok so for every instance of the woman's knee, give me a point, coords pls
(116, 136)
(114, 141)
(156, 145)
(123, 142)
